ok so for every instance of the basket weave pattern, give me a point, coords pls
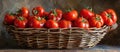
(57, 38)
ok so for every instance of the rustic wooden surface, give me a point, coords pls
(59, 50)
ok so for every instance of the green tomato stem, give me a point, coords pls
(35, 12)
(89, 8)
(54, 12)
(98, 18)
(109, 15)
(21, 18)
(39, 18)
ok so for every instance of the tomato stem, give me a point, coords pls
(109, 15)
(54, 12)
(83, 20)
(68, 10)
(98, 18)
(39, 18)
(89, 8)
(18, 11)
(12, 14)
(21, 18)
(35, 12)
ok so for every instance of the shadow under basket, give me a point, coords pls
(57, 38)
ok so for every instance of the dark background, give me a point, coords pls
(112, 38)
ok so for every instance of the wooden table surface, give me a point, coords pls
(59, 51)
(98, 48)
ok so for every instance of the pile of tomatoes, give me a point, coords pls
(56, 18)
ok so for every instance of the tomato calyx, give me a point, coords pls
(35, 12)
(109, 15)
(21, 18)
(18, 11)
(89, 8)
(12, 14)
(54, 12)
(68, 10)
(98, 18)
(38, 18)
(83, 20)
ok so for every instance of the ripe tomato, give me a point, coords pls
(51, 24)
(96, 21)
(36, 22)
(9, 19)
(81, 23)
(55, 14)
(70, 15)
(86, 13)
(109, 17)
(64, 24)
(38, 11)
(20, 22)
(23, 12)
(45, 14)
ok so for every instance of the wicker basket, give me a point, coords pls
(57, 38)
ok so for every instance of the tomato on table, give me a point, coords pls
(109, 16)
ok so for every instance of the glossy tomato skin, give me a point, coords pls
(55, 14)
(70, 15)
(23, 12)
(20, 22)
(96, 21)
(38, 11)
(9, 19)
(51, 24)
(36, 22)
(86, 13)
(81, 23)
(45, 14)
(109, 17)
(64, 24)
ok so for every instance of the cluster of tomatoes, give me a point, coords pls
(56, 18)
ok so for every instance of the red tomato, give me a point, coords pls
(36, 22)
(96, 21)
(51, 24)
(109, 17)
(55, 14)
(81, 23)
(9, 19)
(23, 12)
(45, 14)
(20, 22)
(86, 13)
(38, 11)
(70, 15)
(64, 24)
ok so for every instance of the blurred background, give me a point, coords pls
(112, 38)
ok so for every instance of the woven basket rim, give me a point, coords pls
(60, 28)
